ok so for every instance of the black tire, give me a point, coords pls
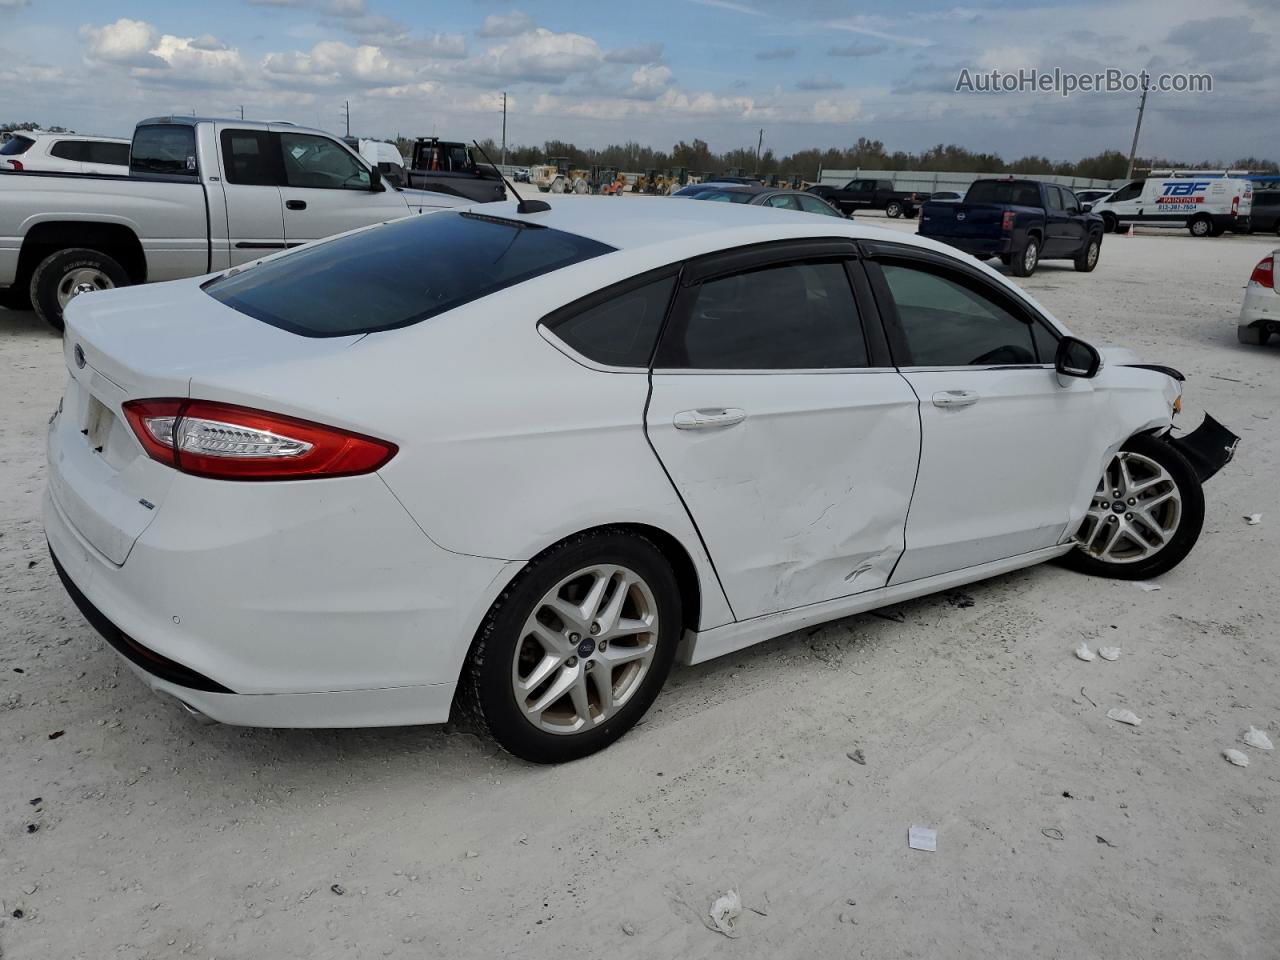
(893, 209)
(54, 269)
(1184, 536)
(1109, 223)
(1024, 262)
(1200, 226)
(1254, 336)
(486, 690)
(17, 297)
(1087, 258)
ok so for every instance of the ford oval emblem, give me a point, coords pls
(959, 216)
(78, 353)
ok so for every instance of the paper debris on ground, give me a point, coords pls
(725, 911)
(1084, 653)
(1256, 738)
(1109, 653)
(1237, 757)
(1253, 519)
(1124, 716)
(922, 838)
(1143, 585)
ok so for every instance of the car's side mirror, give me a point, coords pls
(1075, 358)
(375, 180)
(1074, 211)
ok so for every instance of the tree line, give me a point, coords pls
(865, 154)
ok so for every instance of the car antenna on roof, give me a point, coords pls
(524, 206)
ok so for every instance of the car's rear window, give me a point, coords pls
(1013, 192)
(398, 274)
(15, 145)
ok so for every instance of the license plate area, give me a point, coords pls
(98, 421)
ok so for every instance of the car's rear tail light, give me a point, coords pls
(229, 442)
(16, 164)
(1006, 222)
(1264, 274)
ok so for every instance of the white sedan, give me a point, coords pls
(522, 463)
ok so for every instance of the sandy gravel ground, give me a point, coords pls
(1060, 833)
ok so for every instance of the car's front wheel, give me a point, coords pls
(576, 649)
(1145, 515)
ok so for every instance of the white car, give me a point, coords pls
(65, 153)
(1260, 313)
(527, 461)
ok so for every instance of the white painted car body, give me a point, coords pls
(354, 601)
(1260, 311)
(65, 153)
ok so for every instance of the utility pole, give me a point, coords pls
(1133, 150)
(759, 144)
(347, 104)
(504, 128)
(242, 111)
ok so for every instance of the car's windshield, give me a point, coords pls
(16, 145)
(724, 196)
(399, 273)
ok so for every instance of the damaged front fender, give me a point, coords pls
(1209, 447)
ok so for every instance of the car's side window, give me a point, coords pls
(795, 316)
(1069, 200)
(319, 162)
(1055, 197)
(67, 150)
(786, 202)
(813, 205)
(622, 330)
(948, 321)
(99, 152)
(1127, 192)
(247, 158)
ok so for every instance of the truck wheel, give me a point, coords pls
(893, 209)
(1200, 226)
(1254, 336)
(1087, 258)
(1109, 223)
(1024, 263)
(63, 276)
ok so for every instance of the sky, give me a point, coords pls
(806, 72)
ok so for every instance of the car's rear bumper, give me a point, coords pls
(1261, 308)
(346, 617)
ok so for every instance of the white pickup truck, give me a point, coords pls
(200, 196)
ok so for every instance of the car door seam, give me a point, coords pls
(915, 483)
(706, 550)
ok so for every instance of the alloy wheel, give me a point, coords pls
(1135, 511)
(585, 649)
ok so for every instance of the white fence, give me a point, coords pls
(928, 181)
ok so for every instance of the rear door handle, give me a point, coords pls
(953, 399)
(708, 418)
(295, 204)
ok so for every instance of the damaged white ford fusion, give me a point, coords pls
(520, 463)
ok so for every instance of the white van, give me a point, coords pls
(1207, 206)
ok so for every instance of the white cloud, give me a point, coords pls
(331, 62)
(650, 80)
(541, 56)
(125, 42)
(506, 24)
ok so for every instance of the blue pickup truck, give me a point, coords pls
(1020, 221)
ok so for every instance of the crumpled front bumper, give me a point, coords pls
(1209, 447)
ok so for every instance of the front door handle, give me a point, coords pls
(295, 204)
(954, 399)
(708, 418)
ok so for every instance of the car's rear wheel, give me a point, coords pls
(1145, 515)
(893, 209)
(1254, 336)
(576, 649)
(1087, 258)
(65, 275)
(1024, 262)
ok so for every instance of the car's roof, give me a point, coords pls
(45, 134)
(629, 223)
